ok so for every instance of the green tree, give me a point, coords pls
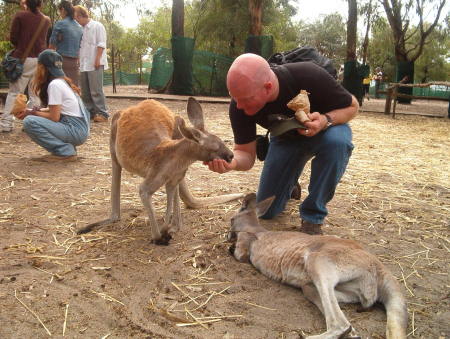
(381, 48)
(328, 35)
(409, 41)
(433, 65)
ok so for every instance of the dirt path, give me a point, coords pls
(394, 199)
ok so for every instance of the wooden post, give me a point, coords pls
(113, 69)
(140, 69)
(387, 106)
(394, 97)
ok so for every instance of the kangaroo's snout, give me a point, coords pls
(229, 157)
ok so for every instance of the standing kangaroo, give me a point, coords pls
(149, 140)
(328, 269)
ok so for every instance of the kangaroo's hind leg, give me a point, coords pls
(173, 221)
(150, 185)
(325, 277)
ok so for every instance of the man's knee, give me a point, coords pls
(337, 144)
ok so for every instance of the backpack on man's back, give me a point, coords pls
(301, 54)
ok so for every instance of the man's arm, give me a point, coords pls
(338, 116)
(101, 44)
(98, 57)
(244, 159)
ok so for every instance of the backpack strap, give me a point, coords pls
(33, 39)
(290, 79)
(281, 123)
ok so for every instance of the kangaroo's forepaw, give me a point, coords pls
(352, 334)
(163, 240)
(231, 249)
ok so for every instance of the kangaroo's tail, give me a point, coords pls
(391, 296)
(193, 202)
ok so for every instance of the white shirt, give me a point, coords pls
(60, 93)
(94, 35)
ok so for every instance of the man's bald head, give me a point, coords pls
(249, 71)
(251, 82)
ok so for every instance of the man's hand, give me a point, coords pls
(97, 63)
(317, 123)
(220, 165)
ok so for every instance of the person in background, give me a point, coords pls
(23, 4)
(92, 64)
(65, 123)
(366, 86)
(378, 77)
(66, 39)
(23, 27)
(257, 92)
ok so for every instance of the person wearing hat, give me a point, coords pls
(258, 92)
(65, 123)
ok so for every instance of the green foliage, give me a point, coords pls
(328, 35)
(433, 64)
(381, 49)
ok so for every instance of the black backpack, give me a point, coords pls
(301, 54)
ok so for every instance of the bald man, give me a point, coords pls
(257, 90)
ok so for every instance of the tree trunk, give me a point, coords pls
(255, 9)
(182, 53)
(178, 18)
(351, 30)
(352, 80)
(365, 44)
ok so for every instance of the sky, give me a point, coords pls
(309, 10)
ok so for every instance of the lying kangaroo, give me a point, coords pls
(149, 140)
(328, 269)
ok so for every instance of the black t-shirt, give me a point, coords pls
(325, 95)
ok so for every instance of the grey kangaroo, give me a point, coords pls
(328, 269)
(149, 140)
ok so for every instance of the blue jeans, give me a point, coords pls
(285, 160)
(59, 138)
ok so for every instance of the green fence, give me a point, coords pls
(209, 71)
(123, 78)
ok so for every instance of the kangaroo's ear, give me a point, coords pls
(263, 206)
(195, 114)
(179, 121)
(249, 202)
(191, 133)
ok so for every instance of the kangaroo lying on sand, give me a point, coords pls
(328, 269)
(149, 140)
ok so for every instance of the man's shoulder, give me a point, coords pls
(95, 23)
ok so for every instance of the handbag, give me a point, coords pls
(262, 146)
(13, 67)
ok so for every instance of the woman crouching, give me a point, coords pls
(65, 123)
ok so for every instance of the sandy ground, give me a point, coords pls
(114, 283)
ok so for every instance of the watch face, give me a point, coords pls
(329, 120)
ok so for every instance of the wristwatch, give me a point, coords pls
(329, 121)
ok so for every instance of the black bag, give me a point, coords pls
(301, 54)
(12, 67)
(262, 146)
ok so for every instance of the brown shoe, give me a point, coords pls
(296, 193)
(56, 158)
(310, 228)
(100, 118)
